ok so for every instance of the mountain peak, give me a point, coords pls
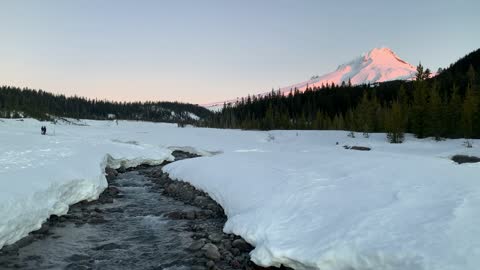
(378, 65)
(384, 55)
(379, 52)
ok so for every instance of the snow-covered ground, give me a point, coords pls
(297, 196)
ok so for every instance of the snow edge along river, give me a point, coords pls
(28, 213)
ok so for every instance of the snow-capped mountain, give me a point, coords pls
(378, 65)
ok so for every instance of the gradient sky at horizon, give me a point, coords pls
(212, 50)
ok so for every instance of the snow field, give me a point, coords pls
(299, 198)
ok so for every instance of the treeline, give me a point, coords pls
(445, 106)
(16, 102)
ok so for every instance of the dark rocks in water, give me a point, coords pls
(235, 251)
(460, 159)
(105, 200)
(211, 252)
(96, 220)
(227, 244)
(115, 210)
(121, 170)
(190, 215)
(176, 215)
(200, 200)
(215, 237)
(241, 245)
(111, 191)
(75, 266)
(53, 218)
(197, 245)
(78, 257)
(235, 264)
(198, 267)
(43, 230)
(109, 246)
(111, 173)
(172, 188)
(210, 264)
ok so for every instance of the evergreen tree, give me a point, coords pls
(475, 91)
(454, 112)
(363, 115)
(404, 102)
(395, 123)
(338, 122)
(350, 121)
(269, 118)
(420, 99)
(435, 114)
(420, 75)
(468, 113)
(374, 115)
(319, 121)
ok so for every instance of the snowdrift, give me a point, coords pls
(343, 209)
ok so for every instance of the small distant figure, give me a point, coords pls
(44, 130)
(336, 143)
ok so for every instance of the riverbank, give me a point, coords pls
(299, 197)
(142, 220)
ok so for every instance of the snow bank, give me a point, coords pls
(333, 209)
(43, 175)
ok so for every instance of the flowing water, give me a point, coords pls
(133, 232)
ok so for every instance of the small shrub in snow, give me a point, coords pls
(271, 138)
(394, 137)
(351, 134)
(468, 144)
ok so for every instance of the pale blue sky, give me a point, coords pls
(203, 51)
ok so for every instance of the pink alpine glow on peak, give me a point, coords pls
(378, 65)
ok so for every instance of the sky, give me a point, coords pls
(206, 51)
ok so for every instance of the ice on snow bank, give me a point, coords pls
(335, 209)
